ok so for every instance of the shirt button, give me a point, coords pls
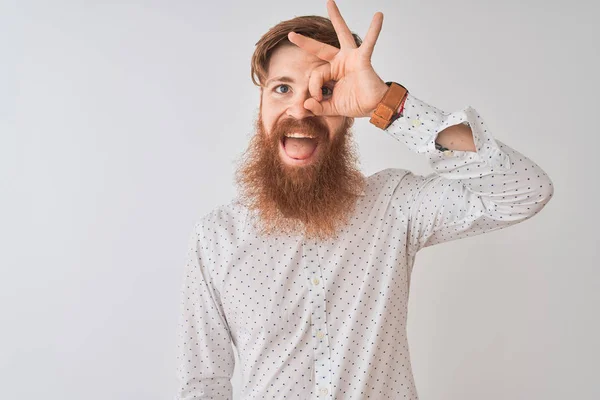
(320, 335)
(416, 122)
(448, 153)
(316, 281)
(324, 391)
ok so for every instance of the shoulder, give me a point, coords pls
(398, 188)
(386, 180)
(226, 220)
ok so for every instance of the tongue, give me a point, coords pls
(299, 148)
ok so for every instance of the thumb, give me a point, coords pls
(324, 108)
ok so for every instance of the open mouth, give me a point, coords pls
(299, 149)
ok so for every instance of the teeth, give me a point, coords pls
(299, 135)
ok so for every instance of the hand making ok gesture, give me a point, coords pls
(358, 89)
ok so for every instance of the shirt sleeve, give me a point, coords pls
(205, 358)
(468, 193)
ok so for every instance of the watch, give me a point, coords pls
(384, 113)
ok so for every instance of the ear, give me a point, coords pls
(260, 95)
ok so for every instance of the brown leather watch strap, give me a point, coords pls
(388, 106)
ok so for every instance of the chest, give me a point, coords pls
(280, 287)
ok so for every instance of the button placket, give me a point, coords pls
(322, 351)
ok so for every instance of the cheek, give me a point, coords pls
(269, 117)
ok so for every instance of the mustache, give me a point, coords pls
(310, 125)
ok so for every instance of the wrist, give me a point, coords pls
(400, 109)
(381, 90)
(387, 110)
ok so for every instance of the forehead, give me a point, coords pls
(290, 59)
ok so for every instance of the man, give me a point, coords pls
(307, 273)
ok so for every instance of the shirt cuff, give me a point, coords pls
(420, 124)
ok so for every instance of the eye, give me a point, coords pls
(282, 85)
(324, 90)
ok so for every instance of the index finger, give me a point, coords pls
(322, 50)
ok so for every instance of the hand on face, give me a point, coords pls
(358, 88)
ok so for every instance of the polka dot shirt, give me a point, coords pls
(327, 319)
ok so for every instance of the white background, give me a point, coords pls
(120, 122)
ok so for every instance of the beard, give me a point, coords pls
(315, 199)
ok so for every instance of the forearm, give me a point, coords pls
(470, 192)
(457, 137)
(498, 174)
(454, 137)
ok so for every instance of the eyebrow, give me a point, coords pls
(280, 79)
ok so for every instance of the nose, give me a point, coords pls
(296, 108)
